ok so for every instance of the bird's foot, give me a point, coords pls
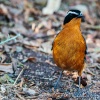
(57, 84)
(55, 87)
(83, 92)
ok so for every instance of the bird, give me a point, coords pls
(69, 46)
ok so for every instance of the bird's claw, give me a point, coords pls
(56, 85)
(83, 92)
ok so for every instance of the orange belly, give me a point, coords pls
(69, 50)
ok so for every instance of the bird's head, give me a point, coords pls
(73, 14)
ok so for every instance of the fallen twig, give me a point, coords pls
(9, 39)
(19, 76)
(19, 96)
(95, 27)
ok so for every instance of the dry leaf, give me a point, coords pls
(6, 67)
(51, 7)
(32, 59)
(89, 78)
(3, 90)
(46, 47)
(29, 91)
(90, 72)
(3, 9)
(3, 57)
(31, 43)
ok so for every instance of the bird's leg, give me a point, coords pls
(56, 84)
(79, 82)
(84, 92)
(78, 92)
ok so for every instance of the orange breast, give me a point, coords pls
(69, 49)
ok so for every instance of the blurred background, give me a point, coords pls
(41, 20)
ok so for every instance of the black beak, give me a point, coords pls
(82, 17)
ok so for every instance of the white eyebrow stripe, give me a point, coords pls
(71, 12)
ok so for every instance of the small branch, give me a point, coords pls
(93, 27)
(19, 96)
(18, 76)
(9, 39)
(96, 27)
